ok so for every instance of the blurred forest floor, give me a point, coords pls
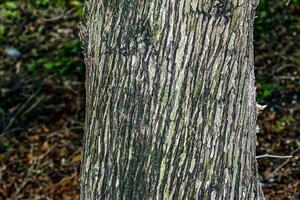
(42, 98)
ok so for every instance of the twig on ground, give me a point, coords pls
(272, 174)
(64, 15)
(34, 105)
(20, 110)
(273, 156)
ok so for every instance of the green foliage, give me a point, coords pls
(10, 5)
(47, 3)
(272, 14)
(297, 58)
(2, 30)
(63, 62)
(266, 90)
(63, 58)
(283, 122)
(4, 145)
(277, 24)
(9, 10)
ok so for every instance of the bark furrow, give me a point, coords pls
(170, 109)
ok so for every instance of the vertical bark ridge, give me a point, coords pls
(170, 109)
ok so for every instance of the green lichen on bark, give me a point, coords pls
(170, 100)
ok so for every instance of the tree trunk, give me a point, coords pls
(170, 107)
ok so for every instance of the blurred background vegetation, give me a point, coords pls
(42, 97)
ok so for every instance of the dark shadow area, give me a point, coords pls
(277, 59)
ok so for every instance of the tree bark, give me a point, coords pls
(170, 100)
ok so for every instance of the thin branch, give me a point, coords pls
(64, 15)
(272, 174)
(20, 110)
(273, 156)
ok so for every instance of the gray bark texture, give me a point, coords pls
(170, 100)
